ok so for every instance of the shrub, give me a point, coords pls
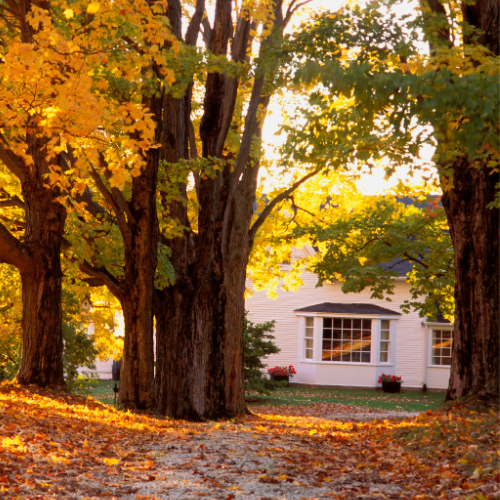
(258, 343)
(79, 351)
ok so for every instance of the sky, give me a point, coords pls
(369, 183)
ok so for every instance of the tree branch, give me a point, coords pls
(106, 278)
(194, 25)
(268, 209)
(10, 159)
(12, 251)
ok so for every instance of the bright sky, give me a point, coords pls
(373, 183)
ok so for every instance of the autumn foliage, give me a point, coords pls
(58, 446)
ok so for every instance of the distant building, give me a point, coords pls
(338, 339)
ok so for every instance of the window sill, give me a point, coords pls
(439, 366)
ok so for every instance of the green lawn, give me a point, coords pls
(405, 400)
(102, 391)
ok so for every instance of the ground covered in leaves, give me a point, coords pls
(59, 446)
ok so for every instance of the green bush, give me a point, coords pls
(79, 351)
(10, 354)
(258, 343)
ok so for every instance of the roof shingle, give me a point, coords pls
(330, 307)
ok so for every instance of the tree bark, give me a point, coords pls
(475, 232)
(41, 276)
(199, 319)
(141, 243)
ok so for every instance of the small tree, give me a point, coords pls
(258, 343)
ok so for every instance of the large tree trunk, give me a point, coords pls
(200, 318)
(41, 277)
(141, 242)
(475, 233)
(199, 330)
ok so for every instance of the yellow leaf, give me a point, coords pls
(313, 431)
(85, 444)
(68, 13)
(111, 461)
(93, 8)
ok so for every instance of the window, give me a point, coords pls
(385, 341)
(441, 347)
(347, 340)
(309, 338)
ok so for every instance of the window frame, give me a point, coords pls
(445, 327)
(376, 322)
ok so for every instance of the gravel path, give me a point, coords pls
(233, 463)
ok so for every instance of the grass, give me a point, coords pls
(102, 391)
(406, 400)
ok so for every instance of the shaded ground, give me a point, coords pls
(404, 401)
(56, 446)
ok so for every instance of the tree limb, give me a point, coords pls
(10, 159)
(105, 277)
(194, 25)
(268, 209)
(12, 251)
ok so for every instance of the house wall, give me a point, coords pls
(411, 340)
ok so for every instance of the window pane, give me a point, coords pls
(309, 321)
(346, 356)
(309, 343)
(384, 346)
(336, 355)
(446, 361)
(346, 340)
(384, 335)
(384, 357)
(309, 354)
(385, 324)
(309, 332)
(446, 334)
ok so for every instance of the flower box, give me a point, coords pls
(391, 387)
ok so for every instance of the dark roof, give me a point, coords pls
(401, 267)
(330, 307)
(408, 201)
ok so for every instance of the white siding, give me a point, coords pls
(410, 336)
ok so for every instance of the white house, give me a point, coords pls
(338, 339)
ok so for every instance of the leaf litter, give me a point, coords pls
(59, 446)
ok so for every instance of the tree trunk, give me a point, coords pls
(141, 242)
(41, 277)
(475, 233)
(199, 351)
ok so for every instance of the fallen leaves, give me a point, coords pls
(58, 446)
